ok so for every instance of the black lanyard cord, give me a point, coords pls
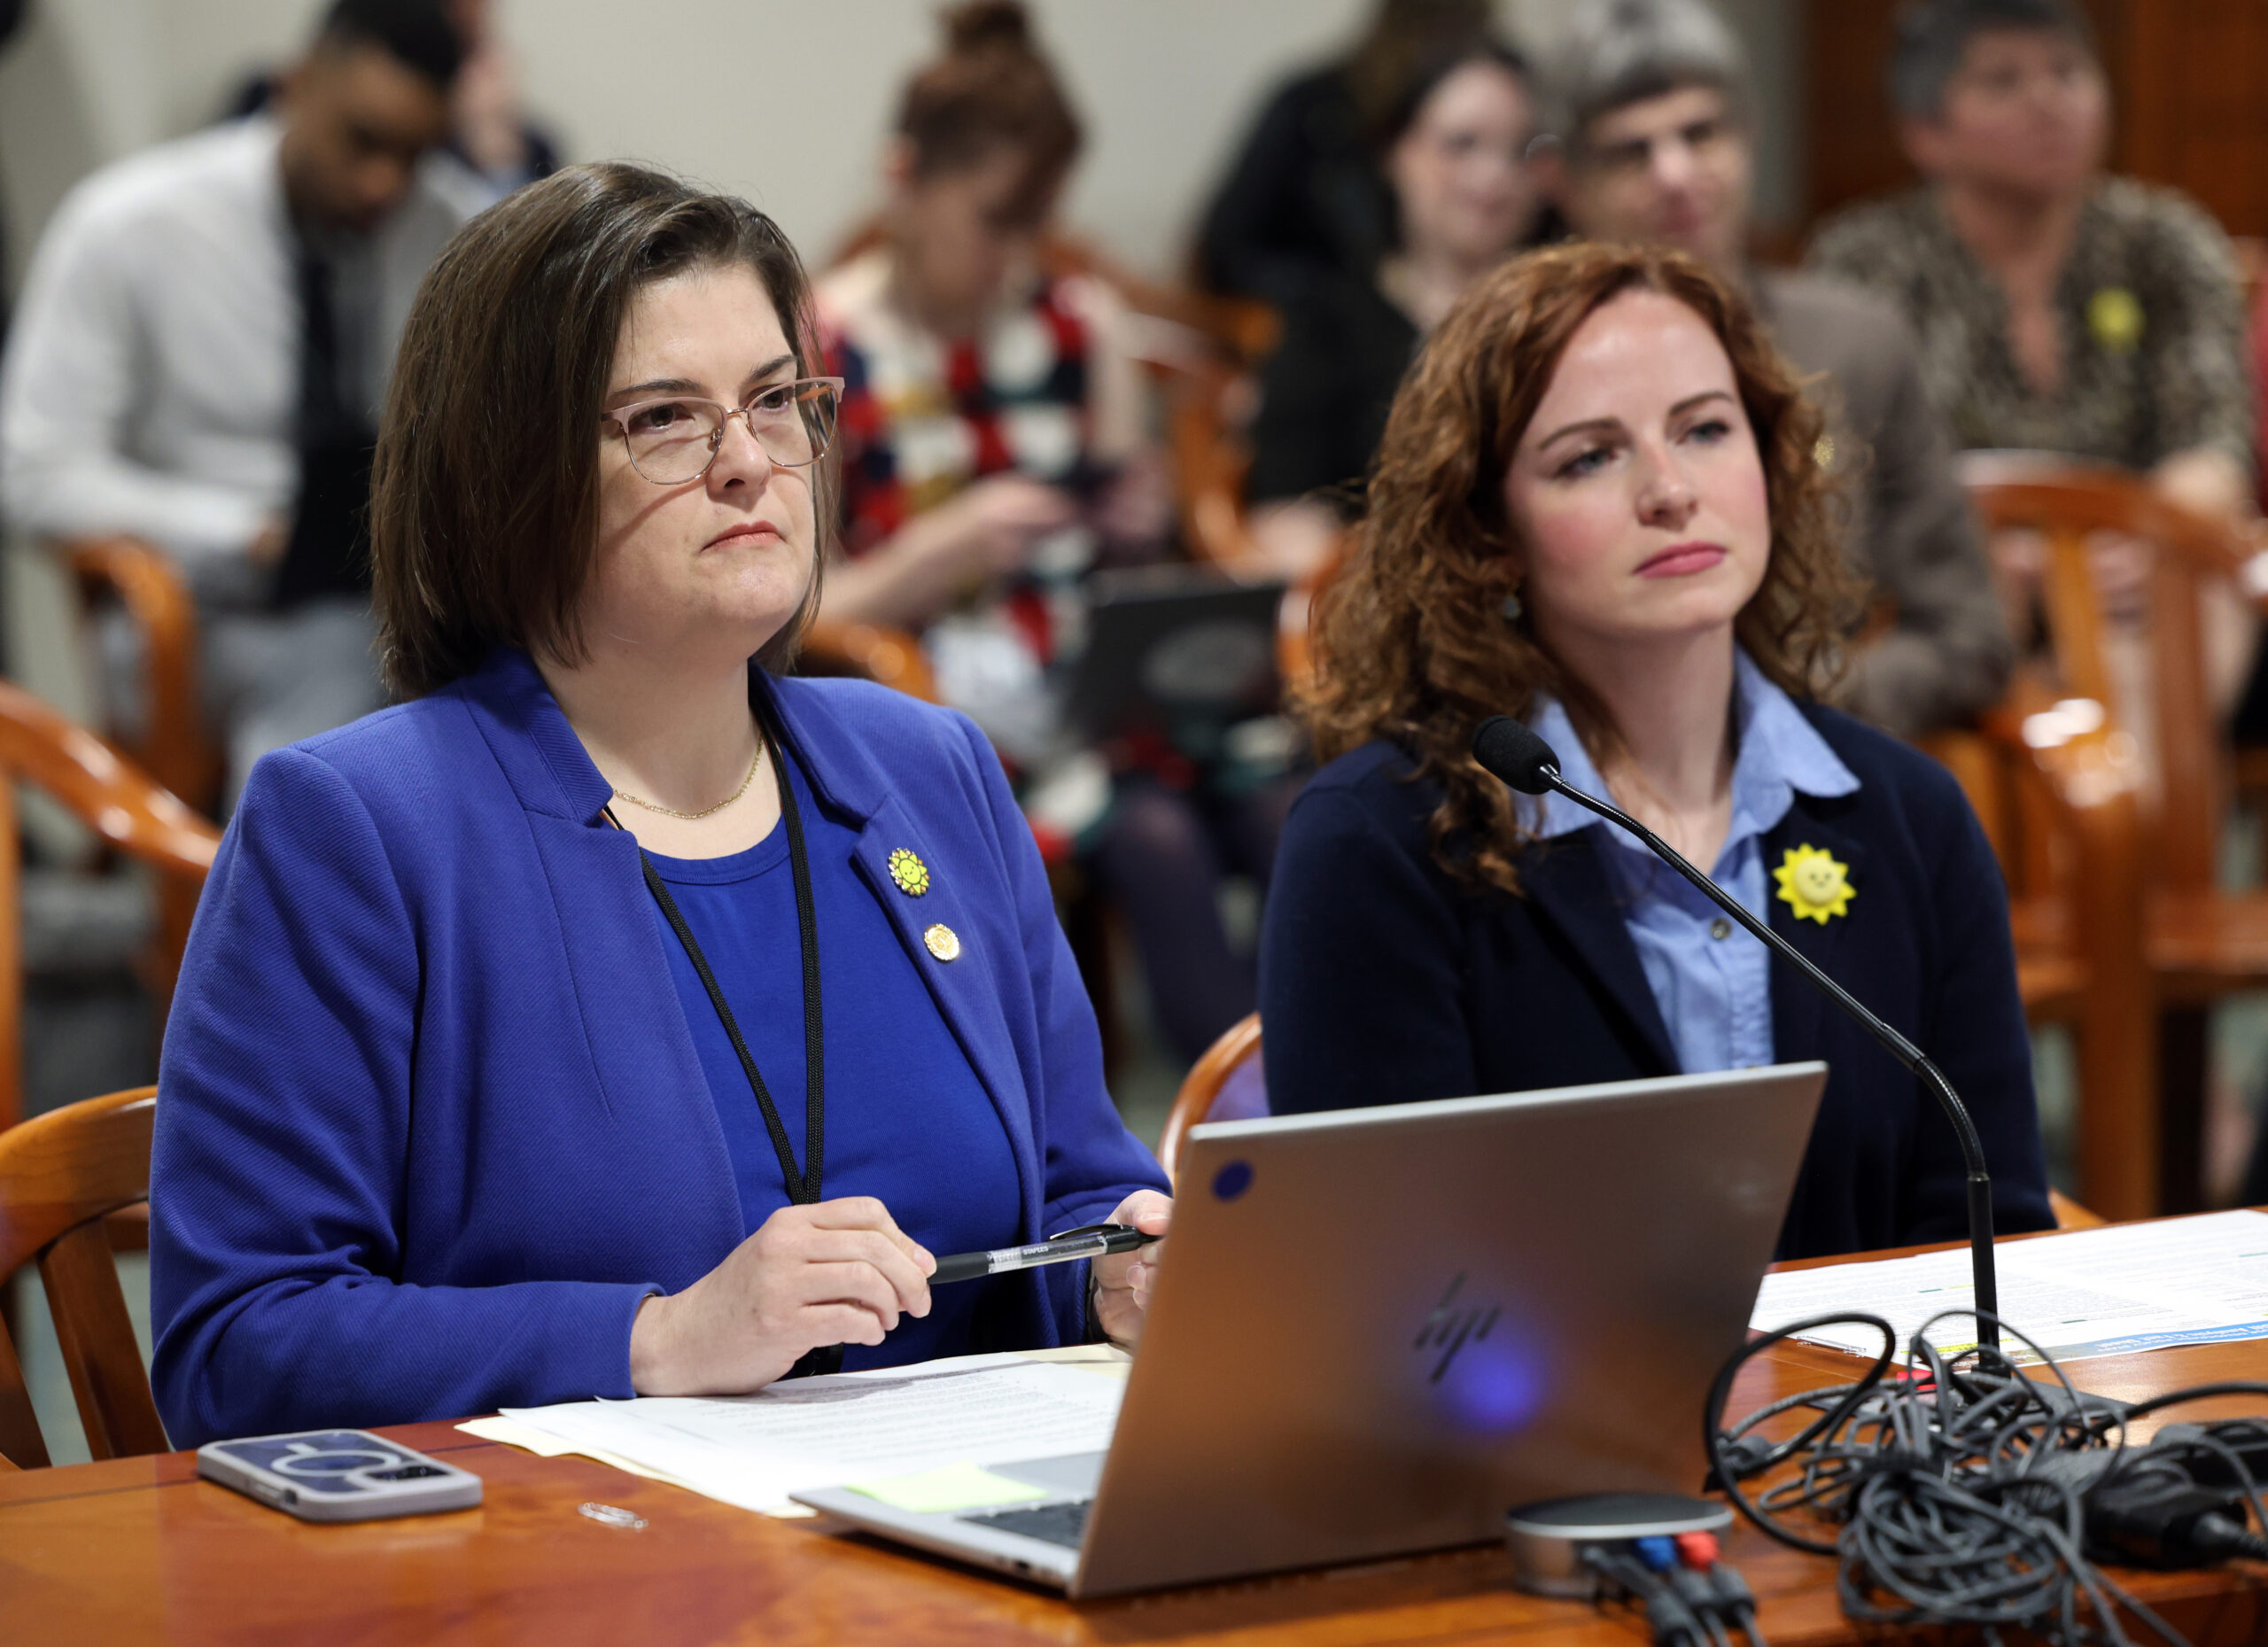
(803, 1184)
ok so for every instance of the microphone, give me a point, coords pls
(1508, 749)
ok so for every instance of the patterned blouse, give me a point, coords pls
(2153, 321)
(922, 419)
(1046, 389)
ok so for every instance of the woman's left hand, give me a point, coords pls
(1122, 1280)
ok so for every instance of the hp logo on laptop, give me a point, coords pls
(1451, 1327)
(1486, 1375)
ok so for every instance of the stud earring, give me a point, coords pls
(1512, 608)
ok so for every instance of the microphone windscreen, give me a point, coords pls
(1511, 751)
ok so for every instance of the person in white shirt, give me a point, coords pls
(202, 347)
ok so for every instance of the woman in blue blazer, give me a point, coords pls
(616, 1016)
(1598, 507)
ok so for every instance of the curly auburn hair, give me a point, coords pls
(1409, 642)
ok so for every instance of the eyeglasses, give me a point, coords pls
(673, 441)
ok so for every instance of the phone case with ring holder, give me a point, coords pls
(338, 1475)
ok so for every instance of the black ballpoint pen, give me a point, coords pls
(1091, 1241)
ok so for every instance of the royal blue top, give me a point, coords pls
(1711, 980)
(432, 1119)
(893, 1071)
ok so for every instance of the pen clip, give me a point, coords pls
(1091, 1229)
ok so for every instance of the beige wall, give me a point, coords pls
(782, 100)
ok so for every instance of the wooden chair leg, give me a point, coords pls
(2185, 1061)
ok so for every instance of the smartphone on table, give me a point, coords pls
(338, 1475)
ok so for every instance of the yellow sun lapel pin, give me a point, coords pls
(1813, 884)
(2114, 319)
(911, 873)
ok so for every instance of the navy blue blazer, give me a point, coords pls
(1382, 981)
(430, 1120)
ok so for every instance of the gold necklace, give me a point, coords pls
(671, 811)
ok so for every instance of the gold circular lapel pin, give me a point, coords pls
(911, 873)
(944, 941)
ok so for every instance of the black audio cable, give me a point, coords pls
(1690, 1596)
(1953, 1490)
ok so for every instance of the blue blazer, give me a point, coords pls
(1382, 981)
(430, 1120)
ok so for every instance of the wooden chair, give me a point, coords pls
(890, 658)
(127, 810)
(2052, 784)
(2197, 943)
(171, 743)
(61, 1175)
(1227, 1077)
(1226, 1084)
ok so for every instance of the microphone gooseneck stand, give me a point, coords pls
(1512, 753)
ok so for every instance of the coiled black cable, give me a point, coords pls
(1954, 1490)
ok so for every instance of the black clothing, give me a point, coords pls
(1304, 199)
(1383, 981)
(1325, 393)
(330, 549)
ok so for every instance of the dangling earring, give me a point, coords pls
(1512, 608)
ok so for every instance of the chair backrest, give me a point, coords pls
(2065, 501)
(123, 806)
(889, 658)
(2070, 1215)
(61, 1174)
(171, 743)
(1227, 1083)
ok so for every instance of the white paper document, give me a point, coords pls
(754, 1450)
(2089, 1292)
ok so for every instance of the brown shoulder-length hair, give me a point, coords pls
(1411, 642)
(484, 502)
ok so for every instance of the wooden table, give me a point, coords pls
(140, 1550)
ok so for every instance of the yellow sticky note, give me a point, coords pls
(956, 1487)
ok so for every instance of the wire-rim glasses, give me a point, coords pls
(674, 439)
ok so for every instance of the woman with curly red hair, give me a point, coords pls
(1597, 507)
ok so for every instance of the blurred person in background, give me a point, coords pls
(204, 341)
(1651, 104)
(489, 133)
(1454, 156)
(1304, 199)
(2058, 308)
(993, 452)
(489, 127)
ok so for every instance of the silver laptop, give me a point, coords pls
(1375, 1331)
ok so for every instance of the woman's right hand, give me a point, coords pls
(990, 529)
(834, 1272)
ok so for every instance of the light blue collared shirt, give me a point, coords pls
(1711, 980)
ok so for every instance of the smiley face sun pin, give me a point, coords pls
(1813, 884)
(909, 871)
